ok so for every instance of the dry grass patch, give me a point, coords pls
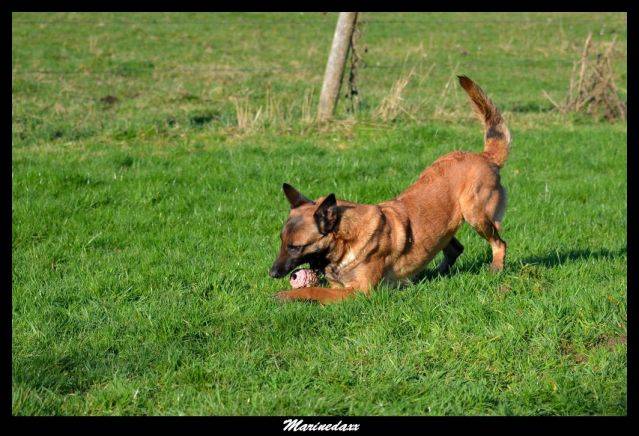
(592, 88)
(392, 105)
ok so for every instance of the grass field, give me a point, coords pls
(148, 156)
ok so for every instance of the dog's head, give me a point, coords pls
(306, 235)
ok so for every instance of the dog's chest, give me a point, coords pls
(334, 274)
(341, 271)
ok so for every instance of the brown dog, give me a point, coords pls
(358, 245)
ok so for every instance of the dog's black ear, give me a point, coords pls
(326, 215)
(294, 196)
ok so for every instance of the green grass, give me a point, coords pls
(144, 226)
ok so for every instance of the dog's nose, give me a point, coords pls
(274, 272)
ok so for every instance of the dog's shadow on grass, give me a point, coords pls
(550, 260)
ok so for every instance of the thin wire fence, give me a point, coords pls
(275, 69)
(370, 23)
(329, 20)
(147, 49)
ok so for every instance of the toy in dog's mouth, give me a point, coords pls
(304, 278)
(312, 276)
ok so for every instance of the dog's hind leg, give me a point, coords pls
(485, 217)
(496, 206)
(451, 252)
(488, 230)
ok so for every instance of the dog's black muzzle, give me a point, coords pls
(280, 269)
(317, 261)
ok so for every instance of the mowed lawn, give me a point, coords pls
(148, 156)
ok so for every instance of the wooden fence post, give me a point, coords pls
(335, 65)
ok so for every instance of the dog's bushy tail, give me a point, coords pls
(496, 136)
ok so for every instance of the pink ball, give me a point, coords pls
(303, 278)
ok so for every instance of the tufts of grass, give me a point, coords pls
(592, 89)
(391, 106)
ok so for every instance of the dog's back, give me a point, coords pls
(459, 186)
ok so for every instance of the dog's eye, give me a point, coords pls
(295, 248)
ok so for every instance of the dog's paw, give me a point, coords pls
(282, 296)
(495, 269)
(443, 269)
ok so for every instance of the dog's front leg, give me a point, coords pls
(321, 295)
(359, 280)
